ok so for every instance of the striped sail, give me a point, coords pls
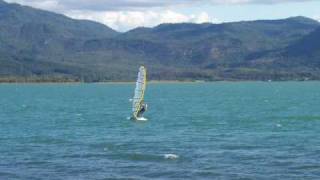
(139, 91)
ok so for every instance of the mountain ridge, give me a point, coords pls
(37, 44)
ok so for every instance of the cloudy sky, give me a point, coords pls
(124, 15)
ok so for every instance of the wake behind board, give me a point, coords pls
(141, 119)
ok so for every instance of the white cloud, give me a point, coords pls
(53, 5)
(125, 5)
(125, 20)
(255, 1)
(121, 20)
(204, 17)
(127, 14)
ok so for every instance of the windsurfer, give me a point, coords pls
(138, 105)
(142, 109)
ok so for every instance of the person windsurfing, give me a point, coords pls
(138, 104)
(143, 108)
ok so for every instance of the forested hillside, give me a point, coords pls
(37, 45)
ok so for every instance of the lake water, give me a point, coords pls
(223, 130)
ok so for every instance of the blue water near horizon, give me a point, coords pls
(220, 130)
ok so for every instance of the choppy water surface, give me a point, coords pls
(243, 130)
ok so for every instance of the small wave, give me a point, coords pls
(279, 125)
(171, 156)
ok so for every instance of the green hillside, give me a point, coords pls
(37, 45)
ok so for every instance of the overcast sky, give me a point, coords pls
(123, 15)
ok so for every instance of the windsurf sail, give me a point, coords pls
(137, 101)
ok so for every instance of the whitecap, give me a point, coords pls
(171, 156)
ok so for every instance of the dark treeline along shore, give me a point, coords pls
(40, 46)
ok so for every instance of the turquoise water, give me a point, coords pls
(224, 130)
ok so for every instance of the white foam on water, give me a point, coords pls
(141, 119)
(130, 100)
(279, 125)
(171, 156)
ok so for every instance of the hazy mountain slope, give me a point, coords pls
(299, 60)
(35, 41)
(228, 43)
(308, 46)
(41, 44)
(304, 54)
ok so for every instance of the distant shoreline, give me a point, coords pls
(66, 80)
(149, 82)
(105, 82)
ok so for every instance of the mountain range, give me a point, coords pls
(37, 45)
